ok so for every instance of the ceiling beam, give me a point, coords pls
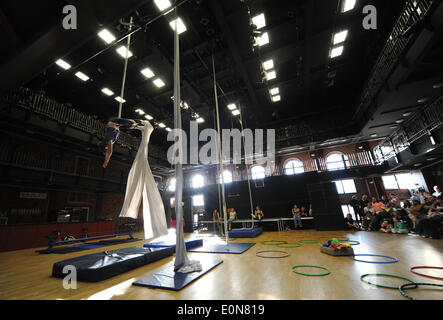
(58, 42)
(217, 10)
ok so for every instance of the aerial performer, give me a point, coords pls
(113, 128)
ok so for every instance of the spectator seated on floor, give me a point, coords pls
(386, 226)
(417, 212)
(399, 226)
(430, 225)
(385, 212)
(367, 221)
(351, 224)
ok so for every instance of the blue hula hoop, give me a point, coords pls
(394, 260)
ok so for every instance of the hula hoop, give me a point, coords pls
(424, 275)
(273, 242)
(258, 254)
(308, 241)
(289, 245)
(309, 274)
(405, 287)
(385, 275)
(394, 260)
(351, 242)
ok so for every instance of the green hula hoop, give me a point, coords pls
(386, 275)
(407, 285)
(260, 254)
(290, 245)
(311, 275)
(273, 242)
(308, 241)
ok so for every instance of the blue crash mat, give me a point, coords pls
(168, 279)
(235, 248)
(104, 265)
(165, 244)
(245, 233)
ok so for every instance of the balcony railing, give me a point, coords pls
(426, 120)
(413, 12)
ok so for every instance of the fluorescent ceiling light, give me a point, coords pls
(106, 36)
(162, 125)
(268, 64)
(147, 73)
(107, 92)
(348, 5)
(271, 75)
(159, 83)
(200, 120)
(259, 21)
(276, 98)
(140, 111)
(235, 112)
(263, 39)
(337, 51)
(232, 106)
(340, 37)
(180, 24)
(373, 135)
(162, 4)
(82, 76)
(122, 51)
(274, 91)
(147, 116)
(407, 114)
(63, 64)
(119, 99)
(168, 129)
(400, 121)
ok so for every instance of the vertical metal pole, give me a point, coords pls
(122, 92)
(220, 155)
(247, 170)
(181, 257)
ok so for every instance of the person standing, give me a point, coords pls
(297, 217)
(356, 205)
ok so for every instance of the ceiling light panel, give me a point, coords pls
(107, 36)
(259, 21)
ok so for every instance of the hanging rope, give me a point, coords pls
(122, 91)
(247, 170)
(220, 154)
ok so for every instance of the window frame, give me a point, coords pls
(293, 168)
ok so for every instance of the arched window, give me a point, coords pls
(197, 181)
(257, 172)
(334, 161)
(171, 185)
(227, 177)
(294, 166)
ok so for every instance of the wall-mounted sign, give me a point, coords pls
(33, 195)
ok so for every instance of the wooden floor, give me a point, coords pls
(26, 274)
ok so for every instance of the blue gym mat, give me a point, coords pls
(234, 248)
(245, 233)
(163, 244)
(170, 280)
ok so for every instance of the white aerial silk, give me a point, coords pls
(141, 186)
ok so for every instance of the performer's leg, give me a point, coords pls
(109, 148)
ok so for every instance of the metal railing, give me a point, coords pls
(422, 123)
(413, 12)
(40, 104)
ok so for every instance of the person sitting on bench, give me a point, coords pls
(232, 216)
(113, 128)
(258, 214)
